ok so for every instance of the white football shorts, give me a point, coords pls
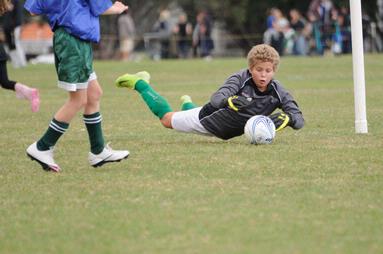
(188, 121)
(72, 87)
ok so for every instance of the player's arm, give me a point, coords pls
(280, 119)
(291, 110)
(291, 115)
(296, 117)
(283, 119)
(219, 99)
(237, 102)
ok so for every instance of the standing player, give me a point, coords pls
(249, 92)
(76, 25)
(22, 91)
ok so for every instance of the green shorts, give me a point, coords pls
(73, 61)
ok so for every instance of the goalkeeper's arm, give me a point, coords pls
(281, 120)
(237, 102)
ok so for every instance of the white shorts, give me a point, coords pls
(72, 87)
(188, 121)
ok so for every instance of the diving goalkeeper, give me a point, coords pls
(249, 92)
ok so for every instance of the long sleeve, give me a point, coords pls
(229, 88)
(290, 106)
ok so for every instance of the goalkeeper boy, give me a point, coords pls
(249, 92)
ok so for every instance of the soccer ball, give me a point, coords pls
(260, 130)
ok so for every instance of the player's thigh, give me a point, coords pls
(188, 121)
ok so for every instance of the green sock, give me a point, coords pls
(93, 126)
(187, 103)
(54, 132)
(156, 103)
(187, 106)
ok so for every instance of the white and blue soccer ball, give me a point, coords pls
(260, 130)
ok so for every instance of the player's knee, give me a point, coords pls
(94, 91)
(166, 123)
(95, 96)
(166, 120)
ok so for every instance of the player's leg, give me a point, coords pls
(166, 120)
(60, 123)
(4, 81)
(22, 91)
(188, 121)
(42, 150)
(187, 103)
(157, 104)
(99, 154)
(93, 118)
(69, 65)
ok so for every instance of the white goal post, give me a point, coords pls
(358, 67)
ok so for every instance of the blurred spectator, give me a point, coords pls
(163, 30)
(12, 26)
(313, 29)
(336, 38)
(288, 41)
(322, 10)
(344, 22)
(202, 41)
(183, 30)
(298, 23)
(270, 18)
(271, 31)
(126, 33)
(275, 35)
(345, 31)
(367, 36)
(345, 12)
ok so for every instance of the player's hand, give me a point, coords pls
(236, 102)
(120, 7)
(280, 120)
(116, 8)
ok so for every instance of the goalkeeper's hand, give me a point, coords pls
(280, 120)
(236, 102)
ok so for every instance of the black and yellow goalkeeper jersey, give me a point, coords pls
(225, 123)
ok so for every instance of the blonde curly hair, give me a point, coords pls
(263, 53)
(4, 4)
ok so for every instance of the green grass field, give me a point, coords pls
(317, 190)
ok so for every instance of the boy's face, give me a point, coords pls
(262, 73)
